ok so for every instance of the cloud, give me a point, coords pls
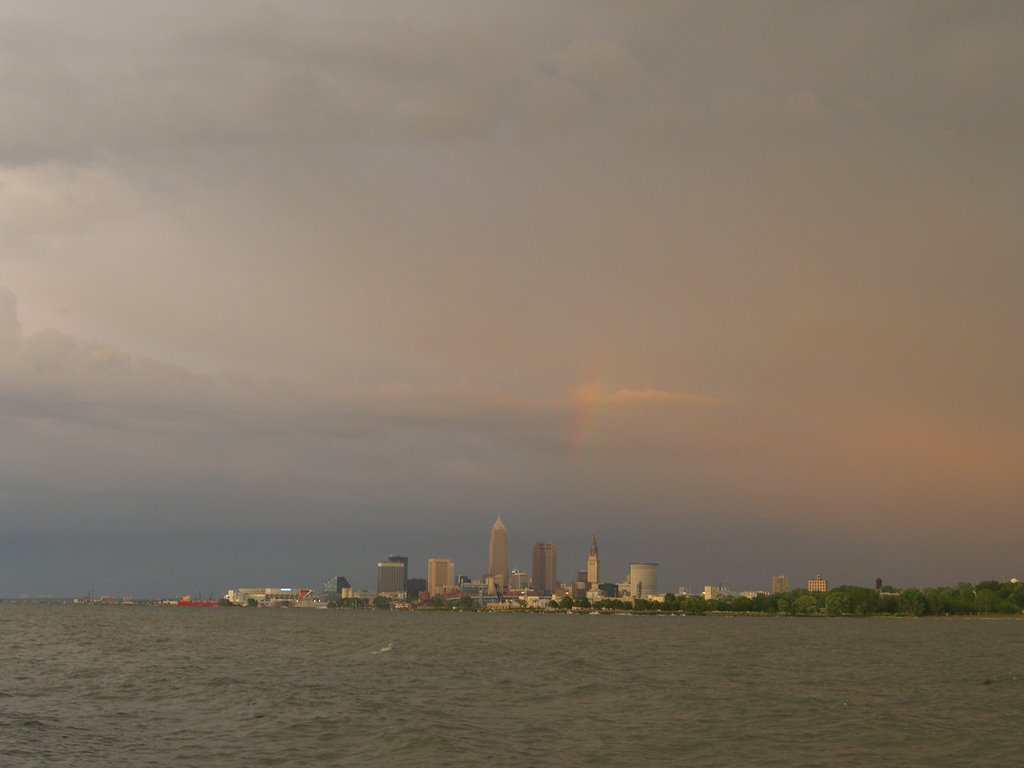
(659, 396)
(10, 327)
(227, 228)
(602, 66)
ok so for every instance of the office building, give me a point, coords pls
(817, 584)
(608, 589)
(579, 586)
(497, 556)
(519, 580)
(391, 579)
(643, 579)
(413, 587)
(405, 567)
(545, 567)
(593, 565)
(779, 584)
(337, 587)
(440, 575)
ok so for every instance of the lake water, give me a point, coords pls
(162, 686)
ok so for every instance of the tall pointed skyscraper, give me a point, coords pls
(497, 555)
(593, 565)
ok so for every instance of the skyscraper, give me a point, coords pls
(405, 567)
(779, 584)
(497, 555)
(545, 567)
(391, 579)
(643, 579)
(440, 575)
(593, 565)
(817, 584)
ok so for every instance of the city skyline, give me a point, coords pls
(735, 287)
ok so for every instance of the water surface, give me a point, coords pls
(163, 686)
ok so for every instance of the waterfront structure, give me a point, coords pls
(391, 579)
(545, 567)
(497, 556)
(817, 584)
(270, 595)
(440, 575)
(473, 589)
(519, 580)
(593, 565)
(779, 584)
(643, 579)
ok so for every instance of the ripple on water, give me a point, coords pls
(87, 686)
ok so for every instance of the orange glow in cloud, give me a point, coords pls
(589, 401)
(657, 396)
(585, 400)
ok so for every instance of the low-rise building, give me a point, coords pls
(713, 592)
(817, 584)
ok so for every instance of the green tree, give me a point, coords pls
(381, 602)
(695, 604)
(912, 602)
(837, 603)
(986, 601)
(805, 605)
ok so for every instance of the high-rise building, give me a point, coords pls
(414, 586)
(405, 567)
(593, 565)
(497, 555)
(817, 584)
(391, 579)
(440, 575)
(643, 579)
(545, 567)
(779, 584)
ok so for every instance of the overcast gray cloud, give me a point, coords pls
(737, 288)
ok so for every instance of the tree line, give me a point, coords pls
(964, 599)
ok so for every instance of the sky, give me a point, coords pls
(286, 288)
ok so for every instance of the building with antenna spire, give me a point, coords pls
(497, 556)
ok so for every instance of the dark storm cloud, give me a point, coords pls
(697, 276)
